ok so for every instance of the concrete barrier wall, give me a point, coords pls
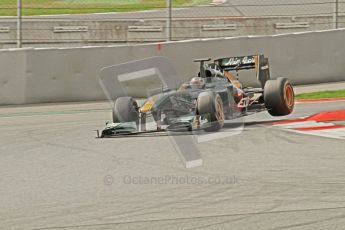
(56, 75)
(12, 77)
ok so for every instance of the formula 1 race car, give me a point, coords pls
(214, 95)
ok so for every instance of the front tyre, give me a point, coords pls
(211, 104)
(125, 110)
(279, 97)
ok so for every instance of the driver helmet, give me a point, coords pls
(197, 83)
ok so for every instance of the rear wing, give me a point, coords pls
(257, 62)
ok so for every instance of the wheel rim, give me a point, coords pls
(289, 95)
(219, 110)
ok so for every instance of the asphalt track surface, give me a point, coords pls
(56, 175)
(231, 8)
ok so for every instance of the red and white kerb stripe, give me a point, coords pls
(326, 124)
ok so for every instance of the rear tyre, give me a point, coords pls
(279, 97)
(212, 104)
(125, 110)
